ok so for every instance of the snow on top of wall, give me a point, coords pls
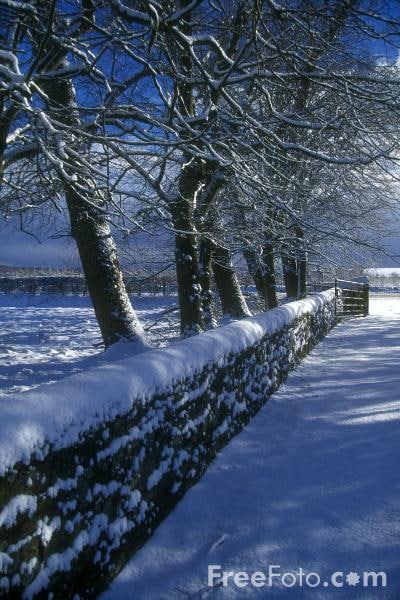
(58, 414)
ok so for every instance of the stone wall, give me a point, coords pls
(75, 506)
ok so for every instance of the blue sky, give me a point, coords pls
(20, 249)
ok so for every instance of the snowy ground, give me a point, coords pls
(45, 338)
(312, 483)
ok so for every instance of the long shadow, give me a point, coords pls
(312, 482)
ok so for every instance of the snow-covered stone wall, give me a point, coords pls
(90, 465)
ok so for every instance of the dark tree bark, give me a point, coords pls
(290, 276)
(269, 275)
(295, 277)
(262, 270)
(302, 268)
(4, 129)
(6, 118)
(186, 257)
(302, 264)
(187, 274)
(205, 273)
(295, 266)
(232, 301)
(255, 269)
(212, 181)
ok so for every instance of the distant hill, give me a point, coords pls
(383, 272)
(384, 276)
(10, 271)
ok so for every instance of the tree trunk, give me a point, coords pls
(232, 301)
(295, 276)
(205, 270)
(262, 270)
(115, 315)
(189, 289)
(186, 259)
(4, 129)
(210, 184)
(302, 274)
(269, 275)
(255, 269)
(302, 264)
(290, 276)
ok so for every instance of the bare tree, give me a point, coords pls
(55, 133)
(238, 127)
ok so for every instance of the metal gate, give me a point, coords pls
(351, 297)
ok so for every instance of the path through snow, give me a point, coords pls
(312, 482)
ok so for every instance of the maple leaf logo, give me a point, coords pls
(352, 578)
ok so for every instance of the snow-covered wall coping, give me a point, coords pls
(91, 464)
(58, 415)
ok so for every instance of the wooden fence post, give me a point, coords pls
(336, 298)
(366, 299)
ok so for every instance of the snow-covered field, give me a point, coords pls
(312, 483)
(44, 338)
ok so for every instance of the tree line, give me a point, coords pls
(262, 129)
